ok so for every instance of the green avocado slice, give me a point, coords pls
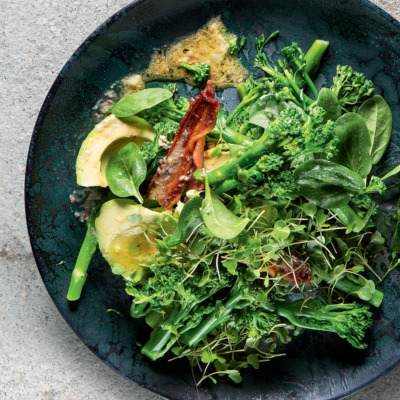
(126, 234)
(103, 142)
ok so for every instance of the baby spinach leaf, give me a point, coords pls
(378, 118)
(328, 100)
(355, 144)
(125, 171)
(264, 111)
(327, 184)
(221, 222)
(189, 219)
(142, 100)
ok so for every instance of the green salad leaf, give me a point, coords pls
(125, 171)
(139, 101)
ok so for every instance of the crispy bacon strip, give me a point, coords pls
(187, 150)
(293, 270)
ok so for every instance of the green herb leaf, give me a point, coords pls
(221, 222)
(189, 219)
(310, 209)
(231, 266)
(355, 144)
(234, 375)
(378, 118)
(253, 360)
(125, 171)
(142, 100)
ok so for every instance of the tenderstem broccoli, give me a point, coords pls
(351, 87)
(242, 295)
(89, 246)
(186, 297)
(348, 320)
(201, 71)
(235, 44)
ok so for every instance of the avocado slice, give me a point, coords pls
(211, 163)
(126, 238)
(103, 142)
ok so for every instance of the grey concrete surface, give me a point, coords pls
(40, 357)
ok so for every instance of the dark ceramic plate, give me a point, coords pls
(318, 366)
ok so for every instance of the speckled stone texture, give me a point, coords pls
(40, 357)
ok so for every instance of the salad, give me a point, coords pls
(236, 231)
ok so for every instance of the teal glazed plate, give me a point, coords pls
(318, 366)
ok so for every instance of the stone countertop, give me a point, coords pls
(40, 356)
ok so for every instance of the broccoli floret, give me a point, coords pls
(153, 152)
(165, 132)
(235, 44)
(182, 103)
(172, 87)
(262, 41)
(320, 137)
(276, 187)
(287, 76)
(351, 87)
(257, 323)
(376, 185)
(201, 72)
(350, 321)
(158, 291)
(270, 162)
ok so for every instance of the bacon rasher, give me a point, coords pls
(186, 152)
(293, 270)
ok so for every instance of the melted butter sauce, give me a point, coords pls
(209, 46)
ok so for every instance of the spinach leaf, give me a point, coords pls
(189, 219)
(142, 100)
(221, 222)
(355, 144)
(378, 118)
(264, 111)
(327, 184)
(125, 171)
(328, 100)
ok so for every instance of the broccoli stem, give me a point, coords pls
(242, 90)
(250, 156)
(175, 115)
(161, 339)
(89, 245)
(216, 318)
(313, 58)
(231, 136)
(350, 287)
(249, 98)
